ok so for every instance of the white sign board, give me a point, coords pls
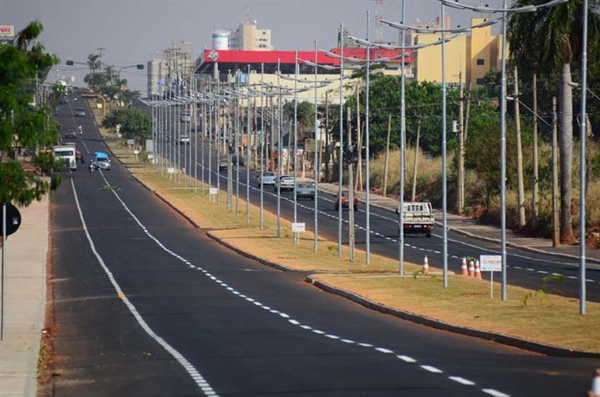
(212, 190)
(490, 263)
(130, 142)
(7, 31)
(298, 227)
(171, 170)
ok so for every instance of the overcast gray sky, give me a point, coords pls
(130, 31)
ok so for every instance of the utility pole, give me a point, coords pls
(460, 202)
(536, 178)
(387, 156)
(416, 161)
(350, 163)
(555, 207)
(520, 184)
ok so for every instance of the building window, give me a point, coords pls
(480, 81)
(480, 62)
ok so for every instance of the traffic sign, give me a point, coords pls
(13, 219)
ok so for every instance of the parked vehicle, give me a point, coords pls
(305, 190)
(67, 155)
(286, 182)
(267, 178)
(344, 200)
(184, 140)
(417, 218)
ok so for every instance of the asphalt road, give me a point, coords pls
(146, 305)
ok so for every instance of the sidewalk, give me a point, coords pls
(25, 301)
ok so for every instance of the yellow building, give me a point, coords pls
(469, 57)
(428, 62)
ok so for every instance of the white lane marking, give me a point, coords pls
(191, 370)
(461, 380)
(407, 359)
(431, 369)
(273, 311)
(494, 393)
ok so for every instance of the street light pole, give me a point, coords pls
(582, 164)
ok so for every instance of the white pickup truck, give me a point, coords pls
(417, 218)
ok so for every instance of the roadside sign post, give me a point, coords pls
(490, 263)
(298, 227)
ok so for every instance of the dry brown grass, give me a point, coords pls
(551, 319)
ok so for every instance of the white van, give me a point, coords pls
(68, 156)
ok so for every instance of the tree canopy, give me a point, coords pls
(26, 122)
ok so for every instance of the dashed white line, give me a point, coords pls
(494, 393)
(431, 369)
(461, 380)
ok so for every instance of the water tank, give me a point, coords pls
(220, 40)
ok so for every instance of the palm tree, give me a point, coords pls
(549, 41)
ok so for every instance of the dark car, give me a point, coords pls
(234, 160)
(70, 134)
(345, 200)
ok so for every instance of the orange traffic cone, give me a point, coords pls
(425, 266)
(477, 270)
(463, 267)
(471, 268)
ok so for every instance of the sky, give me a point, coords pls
(128, 32)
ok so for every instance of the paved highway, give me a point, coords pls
(146, 305)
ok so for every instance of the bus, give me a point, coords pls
(67, 154)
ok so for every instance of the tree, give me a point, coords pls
(25, 117)
(549, 40)
(135, 124)
(305, 115)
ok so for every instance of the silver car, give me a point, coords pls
(102, 163)
(286, 182)
(305, 190)
(267, 178)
